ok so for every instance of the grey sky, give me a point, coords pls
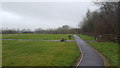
(44, 15)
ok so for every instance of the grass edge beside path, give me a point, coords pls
(108, 49)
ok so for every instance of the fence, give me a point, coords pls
(105, 37)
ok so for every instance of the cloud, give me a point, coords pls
(43, 14)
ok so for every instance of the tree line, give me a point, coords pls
(102, 21)
(65, 29)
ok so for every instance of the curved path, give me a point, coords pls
(89, 56)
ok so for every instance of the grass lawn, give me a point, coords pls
(0, 50)
(0, 36)
(37, 36)
(38, 53)
(108, 49)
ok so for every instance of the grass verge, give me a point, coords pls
(108, 49)
(0, 53)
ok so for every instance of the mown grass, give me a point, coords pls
(0, 50)
(108, 49)
(36, 36)
(38, 53)
(0, 36)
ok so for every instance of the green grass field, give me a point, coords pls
(108, 49)
(38, 53)
(36, 36)
(0, 50)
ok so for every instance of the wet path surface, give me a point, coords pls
(36, 40)
(41, 40)
(90, 56)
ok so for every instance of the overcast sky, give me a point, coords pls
(44, 15)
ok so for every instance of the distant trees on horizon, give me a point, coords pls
(65, 29)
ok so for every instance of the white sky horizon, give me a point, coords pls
(32, 15)
(60, 0)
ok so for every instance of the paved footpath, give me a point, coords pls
(36, 40)
(90, 56)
